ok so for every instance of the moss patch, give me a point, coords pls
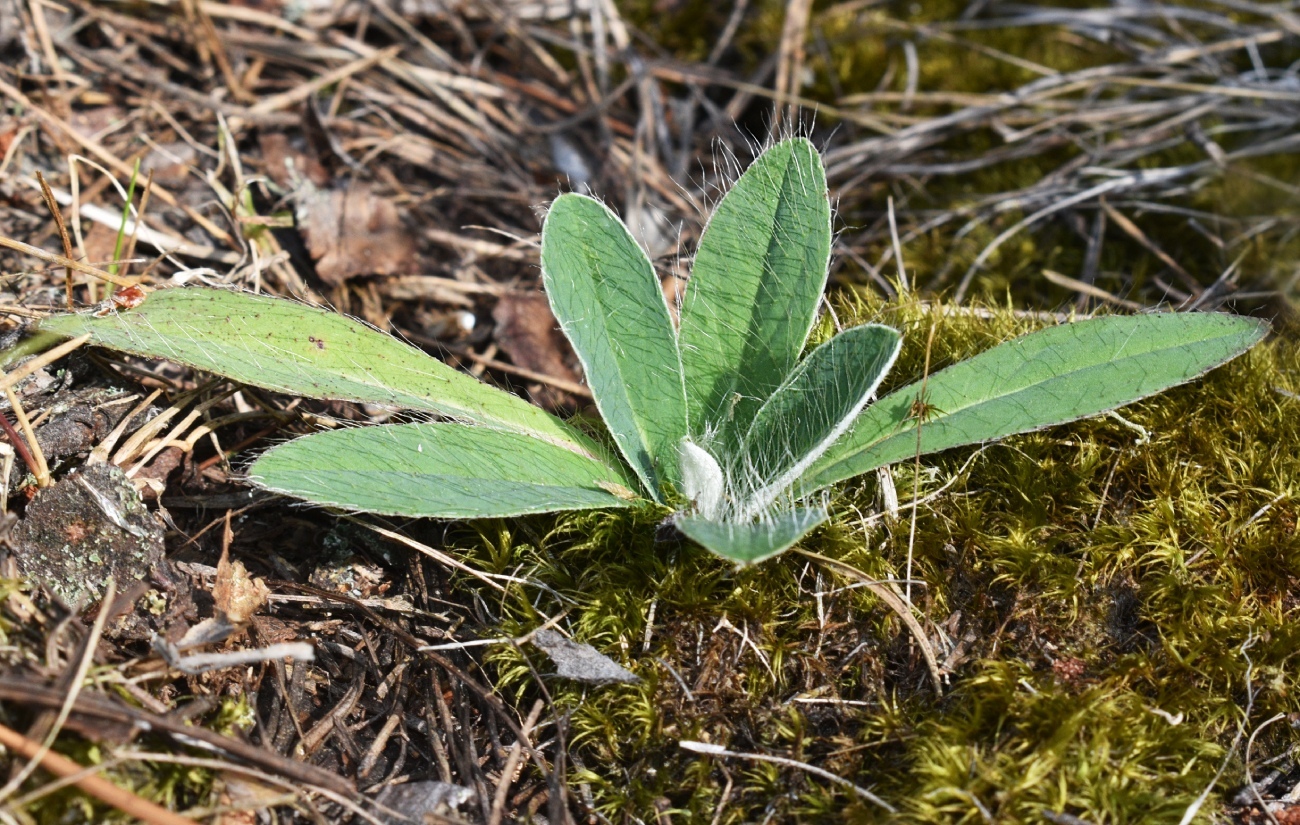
(1099, 604)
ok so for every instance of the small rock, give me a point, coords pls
(86, 527)
(581, 662)
(415, 800)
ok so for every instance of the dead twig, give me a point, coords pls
(90, 784)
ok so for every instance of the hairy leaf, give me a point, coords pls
(604, 291)
(752, 541)
(753, 292)
(436, 471)
(814, 407)
(301, 350)
(702, 480)
(1048, 377)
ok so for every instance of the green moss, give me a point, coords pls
(173, 786)
(1101, 591)
(176, 787)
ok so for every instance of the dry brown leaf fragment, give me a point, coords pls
(8, 131)
(354, 232)
(528, 332)
(279, 156)
(237, 594)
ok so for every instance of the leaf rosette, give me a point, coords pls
(727, 409)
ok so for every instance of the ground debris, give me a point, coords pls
(89, 525)
(581, 662)
(416, 800)
(354, 231)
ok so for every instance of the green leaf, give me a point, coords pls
(301, 350)
(753, 292)
(814, 407)
(753, 541)
(1048, 377)
(437, 471)
(604, 292)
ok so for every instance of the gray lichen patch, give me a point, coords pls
(88, 526)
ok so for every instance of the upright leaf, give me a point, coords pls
(750, 542)
(604, 291)
(703, 482)
(813, 408)
(436, 471)
(1048, 377)
(301, 350)
(753, 292)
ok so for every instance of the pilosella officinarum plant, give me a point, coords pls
(724, 411)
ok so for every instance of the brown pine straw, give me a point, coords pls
(40, 469)
(57, 214)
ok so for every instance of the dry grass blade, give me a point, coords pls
(891, 599)
(40, 468)
(57, 214)
(715, 750)
(1089, 290)
(68, 263)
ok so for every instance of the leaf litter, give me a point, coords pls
(974, 139)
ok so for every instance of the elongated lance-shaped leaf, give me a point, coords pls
(1048, 377)
(604, 292)
(750, 542)
(437, 470)
(759, 272)
(815, 406)
(301, 350)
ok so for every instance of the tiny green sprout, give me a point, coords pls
(727, 409)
